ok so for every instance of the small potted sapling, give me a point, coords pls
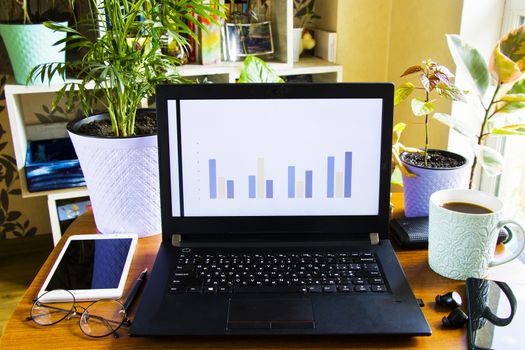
(499, 88)
(428, 170)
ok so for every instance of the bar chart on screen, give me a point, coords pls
(299, 184)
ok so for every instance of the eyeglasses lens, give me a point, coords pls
(46, 311)
(102, 318)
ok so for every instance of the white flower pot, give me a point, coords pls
(122, 177)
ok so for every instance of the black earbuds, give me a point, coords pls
(451, 299)
(456, 319)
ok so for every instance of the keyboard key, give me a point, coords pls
(344, 288)
(196, 289)
(376, 280)
(379, 288)
(329, 289)
(361, 289)
(210, 290)
(265, 290)
(314, 289)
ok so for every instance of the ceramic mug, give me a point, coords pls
(462, 245)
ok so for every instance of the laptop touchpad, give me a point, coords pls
(252, 313)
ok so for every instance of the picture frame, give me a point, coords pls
(248, 39)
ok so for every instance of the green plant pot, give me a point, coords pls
(29, 45)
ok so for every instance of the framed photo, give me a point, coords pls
(248, 39)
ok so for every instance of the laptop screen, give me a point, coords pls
(266, 157)
(306, 151)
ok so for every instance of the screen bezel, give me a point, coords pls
(92, 294)
(258, 225)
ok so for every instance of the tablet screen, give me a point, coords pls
(91, 264)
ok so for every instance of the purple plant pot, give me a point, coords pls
(417, 190)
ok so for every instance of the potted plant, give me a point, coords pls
(27, 40)
(500, 91)
(303, 14)
(428, 170)
(119, 70)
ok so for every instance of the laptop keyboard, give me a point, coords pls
(277, 273)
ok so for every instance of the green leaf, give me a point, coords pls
(514, 130)
(402, 92)
(511, 107)
(513, 98)
(502, 68)
(518, 87)
(451, 92)
(470, 59)
(489, 159)
(513, 44)
(255, 70)
(399, 127)
(420, 107)
(454, 124)
(397, 177)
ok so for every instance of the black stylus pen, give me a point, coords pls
(136, 286)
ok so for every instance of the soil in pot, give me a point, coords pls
(145, 124)
(436, 160)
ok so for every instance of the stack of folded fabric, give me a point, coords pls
(52, 164)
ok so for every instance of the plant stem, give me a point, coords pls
(482, 133)
(426, 134)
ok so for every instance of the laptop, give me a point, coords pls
(275, 208)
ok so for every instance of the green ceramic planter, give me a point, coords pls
(29, 45)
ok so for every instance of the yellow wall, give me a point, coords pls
(363, 30)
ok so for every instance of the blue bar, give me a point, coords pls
(291, 182)
(251, 186)
(348, 175)
(229, 189)
(213, 178)
(308, 184)
(330, 177)
(269, 188)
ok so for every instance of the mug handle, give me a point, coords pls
(521, 242)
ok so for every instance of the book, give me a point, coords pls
(209, 49)
(326, 45)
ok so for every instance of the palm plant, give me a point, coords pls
(121, 67)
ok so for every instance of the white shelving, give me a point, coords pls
(225, 72)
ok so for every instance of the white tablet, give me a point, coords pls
(91, 267)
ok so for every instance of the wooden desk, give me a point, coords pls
(20, 334)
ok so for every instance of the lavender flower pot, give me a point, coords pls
(418, 189)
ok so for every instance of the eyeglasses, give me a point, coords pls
(101, 318)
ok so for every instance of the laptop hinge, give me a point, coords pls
(374, 238)
(176, 240)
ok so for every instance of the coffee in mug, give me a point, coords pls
(464, 207)
(463, 231)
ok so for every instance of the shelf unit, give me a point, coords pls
(225, 72)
